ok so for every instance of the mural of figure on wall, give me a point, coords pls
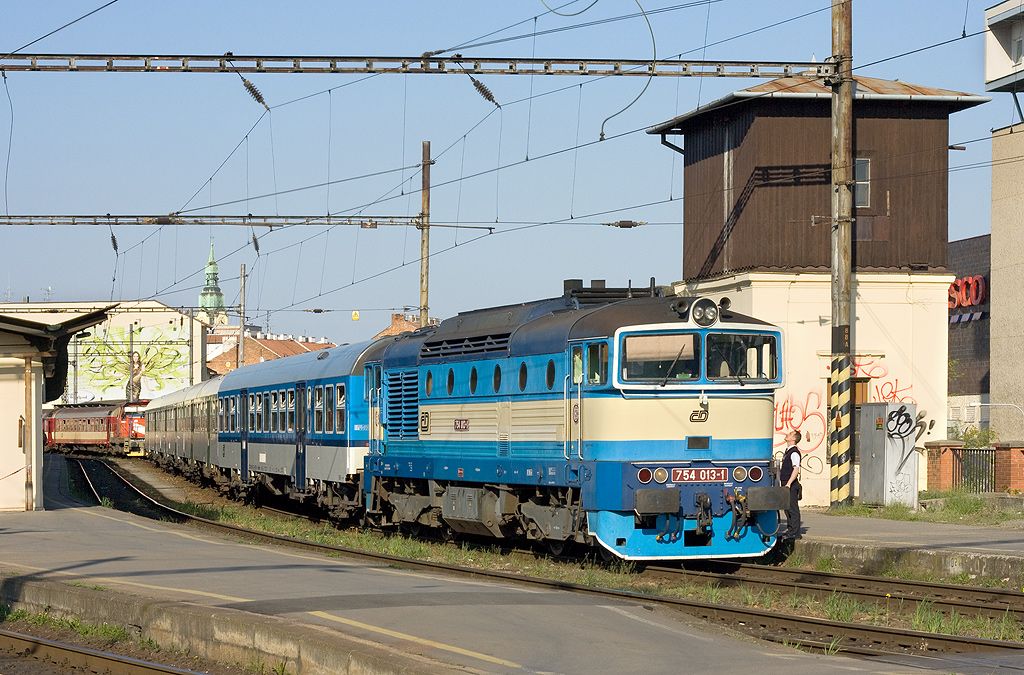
(133, 390)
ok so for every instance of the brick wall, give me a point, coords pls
(1010, 467)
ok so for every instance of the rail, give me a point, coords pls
(73, 656)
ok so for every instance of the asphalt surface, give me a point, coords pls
(481, 625)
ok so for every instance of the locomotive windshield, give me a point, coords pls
(661, 357)
(732, 356)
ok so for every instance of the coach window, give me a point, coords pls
(291, 410)
(429, 384)
(266, 412)
(318, 410)
(339, 411)
(497, 377)
(472, 381)
(220, 414)
(282, 411)
(259, 412)
(451, 381)
(597, 363)
(329, 406)
(522, 376)
(252, 412)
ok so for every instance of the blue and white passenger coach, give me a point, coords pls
(296, 426)
(642, 426)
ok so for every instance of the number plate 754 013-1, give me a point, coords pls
(704, 475)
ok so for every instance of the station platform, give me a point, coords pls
(879, 546)
(235, 602)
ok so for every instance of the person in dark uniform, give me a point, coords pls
(790, 477)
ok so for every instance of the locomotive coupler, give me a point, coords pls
(740, 514)
(705, 519)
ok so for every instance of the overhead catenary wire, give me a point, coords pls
(654, 59)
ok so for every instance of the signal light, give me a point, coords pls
(661, 474)
(756, 473)
(644, 475)
(739, 474)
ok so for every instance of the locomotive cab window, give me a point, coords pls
(741, 357)
(661, 357)
(597, 364)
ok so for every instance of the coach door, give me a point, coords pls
(372, 383)
(573, 395)
(243, 425)
(301, 423)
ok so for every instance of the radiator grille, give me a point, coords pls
(403, 404)
(470, 346)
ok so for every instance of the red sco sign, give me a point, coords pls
(968, 292)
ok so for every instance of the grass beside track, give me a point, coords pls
(959, 508)
(616, 575)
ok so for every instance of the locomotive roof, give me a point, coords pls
(539, 327)
(333, 362)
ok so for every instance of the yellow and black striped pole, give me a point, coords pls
(840, 434)
(840, 431)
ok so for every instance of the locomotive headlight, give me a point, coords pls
(704, 312)
(739, 474)
(661, 474)
(644, 475)
(756, 473)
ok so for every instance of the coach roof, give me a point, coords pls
(322, 363)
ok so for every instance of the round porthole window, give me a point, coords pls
(550, 378)
(429, 386)
(451, 381)
(522, 376)
(472, 381)
(497, 379)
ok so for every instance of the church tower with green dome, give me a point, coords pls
(211, 299)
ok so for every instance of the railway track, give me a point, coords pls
(830, 636)
(82, 658)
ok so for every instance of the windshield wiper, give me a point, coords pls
(674, 362)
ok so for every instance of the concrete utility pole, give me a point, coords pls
(424, 226)
(241, 320)
(840, 406)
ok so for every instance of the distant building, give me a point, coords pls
(970, 320)
(402, 323)
(211, 300)
(259, 347)
(757, 214)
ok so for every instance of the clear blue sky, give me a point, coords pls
(145, 143)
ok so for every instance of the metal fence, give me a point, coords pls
(975, 470)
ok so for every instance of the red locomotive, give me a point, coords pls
(108, 426)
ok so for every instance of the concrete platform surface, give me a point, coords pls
(878, 545)
(442, 622)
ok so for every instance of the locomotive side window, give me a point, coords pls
(661, 357)
(497, 377)
(522, 376)
(451, 381)
(597, 363)
(318, 409)
(577, 365)
(472, 380)
(329, 406)
(550, 378)
(429, 385)
(339, 410)
(741, 357)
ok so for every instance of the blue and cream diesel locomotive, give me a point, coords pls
(638, 425)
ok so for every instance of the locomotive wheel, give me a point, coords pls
(413, 529)
(556, 547)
